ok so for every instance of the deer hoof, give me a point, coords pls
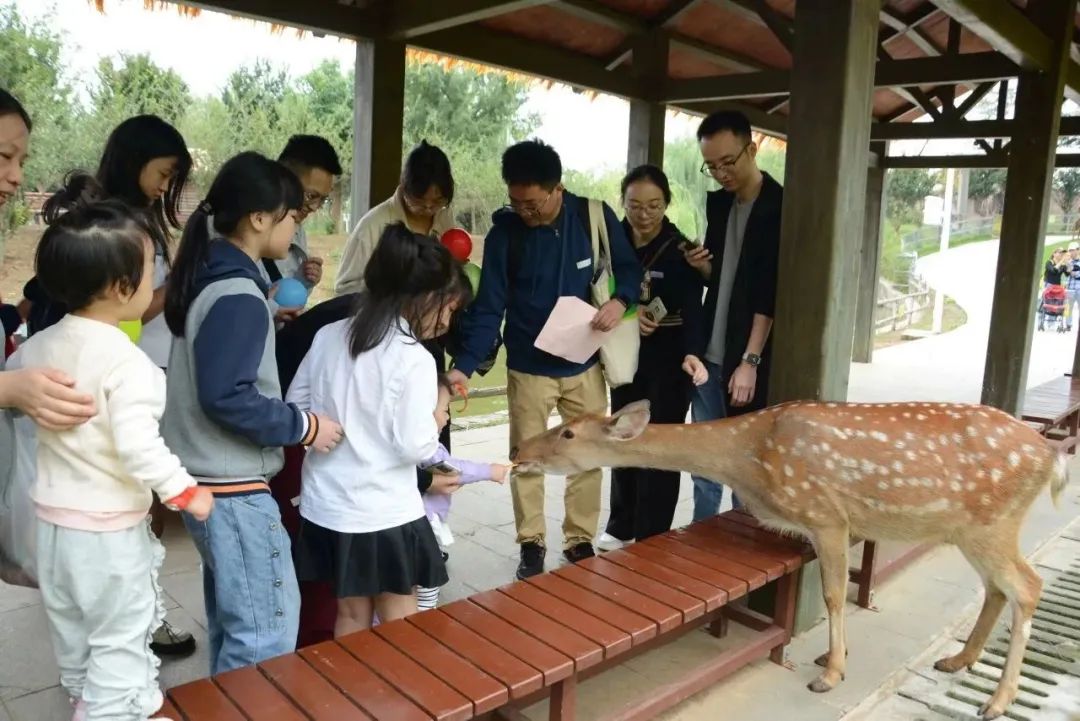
(822, 684)
(952, 664)
(823, 659)
(991, 709)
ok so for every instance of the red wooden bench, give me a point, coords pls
(1053, 408)
(502, 650)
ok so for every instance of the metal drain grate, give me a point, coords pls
(1049, 677)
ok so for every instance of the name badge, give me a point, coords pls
(656, 274)
(583, 264)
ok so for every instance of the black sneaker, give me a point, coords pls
(169, 641)
(579, 552)
(532, 561)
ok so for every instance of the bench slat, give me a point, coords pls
(554, 665)
(747, 524)
(665, 617)
(613, 640)
(737, 540)
(732, 586)
(715, 542)
(712, 596)
(256, 696)
(169, 711)
(753, 577)
(362, 685)
(584, 652)
(688, 605)
(425, 689)
(520, 678)
(310, 691)
(203, 701)
(486, 693)
(640, 628)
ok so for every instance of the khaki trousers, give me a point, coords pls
(531, 400)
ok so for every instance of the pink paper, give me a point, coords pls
(568, 333)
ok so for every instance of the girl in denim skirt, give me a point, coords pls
(224, 415)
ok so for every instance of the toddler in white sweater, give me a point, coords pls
(97, 559)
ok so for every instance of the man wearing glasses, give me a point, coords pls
(316, 164)
(738, 263)
(540, 248)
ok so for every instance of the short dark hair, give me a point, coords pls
(730, 120)
(427, 165)
(310, 151)
(650, 173)
(9, 105)
(531, 162)
(92, 246)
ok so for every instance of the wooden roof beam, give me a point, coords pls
(413, 18)
(910, 30)
(1003, 26)
(528, 56)
(998, 159)
(330, 18)
(719, 56)
(601, 14)
(974, 67)
(775, 125)
(951, 129)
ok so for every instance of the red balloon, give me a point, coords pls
(459, 243)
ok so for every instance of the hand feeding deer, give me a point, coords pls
(931, 472)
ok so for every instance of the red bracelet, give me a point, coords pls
(179, 503)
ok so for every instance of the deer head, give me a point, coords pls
(582, 444)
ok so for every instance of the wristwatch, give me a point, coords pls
(752, 359)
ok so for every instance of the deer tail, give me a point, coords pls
(1059, 479)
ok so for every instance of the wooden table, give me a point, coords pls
(1054, 407)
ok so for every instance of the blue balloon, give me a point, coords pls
(291, 293)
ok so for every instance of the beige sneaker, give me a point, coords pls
(169, 641)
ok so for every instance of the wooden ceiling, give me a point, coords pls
(734, 53)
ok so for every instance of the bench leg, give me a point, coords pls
(787, 590)
(718, 627)
(563, 700)
(866, 575)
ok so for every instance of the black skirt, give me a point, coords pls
(394, 560)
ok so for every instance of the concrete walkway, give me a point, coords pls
(916, 608)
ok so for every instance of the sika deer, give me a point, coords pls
(930, 472)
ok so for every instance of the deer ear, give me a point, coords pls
(629, 422)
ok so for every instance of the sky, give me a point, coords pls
(590, 133)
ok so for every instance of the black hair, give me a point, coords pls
(131, 145)
(651, 173)
(409, 275)
(531, 162)
(247, 183)
(425, 166)
(90, 245)
(9, 105)
(730, 120)
(310, 151)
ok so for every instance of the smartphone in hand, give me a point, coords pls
(444, 469)
(655, 310)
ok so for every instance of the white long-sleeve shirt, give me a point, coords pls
(112, 462)
(385, 401)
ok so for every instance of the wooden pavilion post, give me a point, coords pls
(1027, 198)
(378, 116)
(866, 296)
(646, 139)
(824, 197)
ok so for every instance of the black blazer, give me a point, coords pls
(754, 290)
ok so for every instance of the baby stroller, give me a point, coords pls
(1052, 312)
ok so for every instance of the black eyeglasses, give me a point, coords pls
(314, 201)
(529, 211)
(713, 169)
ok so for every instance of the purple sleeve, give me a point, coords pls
(471, 472)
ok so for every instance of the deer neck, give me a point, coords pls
(717, 449)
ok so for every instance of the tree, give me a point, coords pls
(984, 184)
(138, 86)
(907, 190)
(31, 68)
(1067, 188)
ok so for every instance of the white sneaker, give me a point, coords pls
(607, 542)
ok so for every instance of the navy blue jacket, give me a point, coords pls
(555, 260)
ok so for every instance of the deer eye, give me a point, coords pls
(568, 434)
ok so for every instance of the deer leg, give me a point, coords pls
(1022, 586)
(832, 550)
(988, 616)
